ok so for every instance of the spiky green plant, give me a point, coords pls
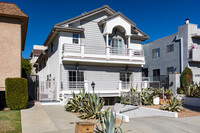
(108, 123)
(192, 90)
(173, 105)
(76, 103)
(92, 107)
(148, 95)
(168, 91)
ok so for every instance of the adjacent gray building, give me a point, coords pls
(171, 54)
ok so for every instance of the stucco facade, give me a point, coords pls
(185, 53)
(10, 49)
(12, 41)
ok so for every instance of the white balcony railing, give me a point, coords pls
(100, 52)
(119, 51)
(76, 85)
(126, 85)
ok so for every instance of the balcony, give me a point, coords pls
(99, 54)
(194, 55)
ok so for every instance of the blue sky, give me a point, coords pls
(157, 18)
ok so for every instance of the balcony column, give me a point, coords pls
(129, 41)
(86, 86)
(120, 87)
(107, 46)
(130, 53)
(82, 50)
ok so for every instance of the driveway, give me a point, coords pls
(163, 125)
(54, 119)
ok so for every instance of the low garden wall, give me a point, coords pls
(192, 101)
(134, 111)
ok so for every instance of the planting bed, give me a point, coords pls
(187, 112)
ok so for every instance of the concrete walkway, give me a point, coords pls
(54, 119)
(47, 119)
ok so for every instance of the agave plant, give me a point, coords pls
(173, 105)
(192, 90)
(108, 123)
(75, 104)
(92, 107)
(148, 95)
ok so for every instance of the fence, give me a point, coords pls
(47, 91)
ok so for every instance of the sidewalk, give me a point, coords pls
(47, 119)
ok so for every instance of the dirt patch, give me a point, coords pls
(187, 112)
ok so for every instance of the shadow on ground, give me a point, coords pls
(30, 104)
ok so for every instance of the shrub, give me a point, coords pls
(108, 123)
(16, 93)
(186, 77)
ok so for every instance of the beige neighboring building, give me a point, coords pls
(13, 28)
(35, 53)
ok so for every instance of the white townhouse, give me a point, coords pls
(100, 46)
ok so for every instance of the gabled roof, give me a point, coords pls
(13, 11)
(129, 21)
(60, 28)
(75, 19)
(116, 15)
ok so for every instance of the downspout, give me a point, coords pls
(181, 60)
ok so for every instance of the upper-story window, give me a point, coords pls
(75, 38)
(52, 48)
(170, 48)
(156, 53)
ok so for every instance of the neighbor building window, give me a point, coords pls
(156, 53)
(75, 38)
(156, 75)
(170, 48)
(170, 70)
(76, 80)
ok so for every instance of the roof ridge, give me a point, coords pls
(85, 14)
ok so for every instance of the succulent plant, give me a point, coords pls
(108, 123)
(173, 104)
(192, 90)
(148, 95)
(75, 104)
(92, 107)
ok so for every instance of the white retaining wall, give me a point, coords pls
(135, 112)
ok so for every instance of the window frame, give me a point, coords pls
(170, 48)
(168, 68)
(75, 39)
(155, 54)
(75, 76)
(127, 78)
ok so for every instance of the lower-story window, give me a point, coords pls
(126, 78)
(76, 80)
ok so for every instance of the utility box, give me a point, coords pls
(84, 127)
